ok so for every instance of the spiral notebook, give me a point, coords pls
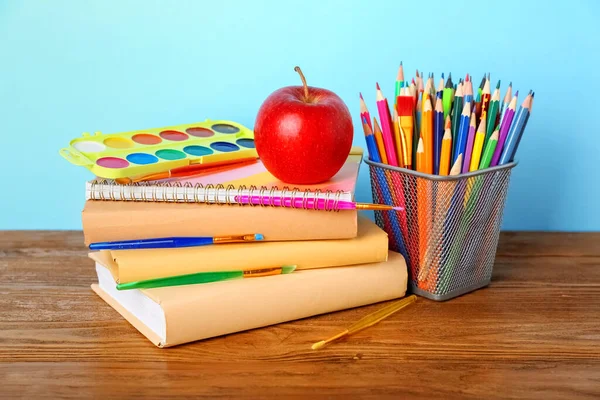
(225, 185)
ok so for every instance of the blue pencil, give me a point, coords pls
(516, 131)
(370, 139)
(173, 242)
(463, 131)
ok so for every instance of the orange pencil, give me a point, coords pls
(379, 140)
(428, 275)
(446, 149)
(427, 135)
(423, 209)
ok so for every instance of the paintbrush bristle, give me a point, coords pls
(318, 345)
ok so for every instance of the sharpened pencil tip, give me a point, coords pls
(510, 84)
(360, 94)
(400, 63)
(398, 208)
(442, 75)
(533, 94)
(377, 85)
(498, 85)
(517, 93)
(259, 236)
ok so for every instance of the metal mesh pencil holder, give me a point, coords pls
(448, 232)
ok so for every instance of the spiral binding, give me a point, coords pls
(199, 193)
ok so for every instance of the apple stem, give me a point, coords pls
(299, 71)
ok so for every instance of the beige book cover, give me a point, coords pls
(174, 315)
(370, 245)
(105, 221)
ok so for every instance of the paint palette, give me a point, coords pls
(129, 154)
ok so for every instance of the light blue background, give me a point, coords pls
(72, 66)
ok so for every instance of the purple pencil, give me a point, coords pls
(470, 140)
(504, 128)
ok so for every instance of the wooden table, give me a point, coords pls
(533, 333)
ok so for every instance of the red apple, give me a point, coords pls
(303, 134)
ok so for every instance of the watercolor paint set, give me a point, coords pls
(128, 154)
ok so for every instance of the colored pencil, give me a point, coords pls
(468, 91)
(463, 131)
(470, 140)
(478, 144)
(427, 135)
(515, 132)
(364, 111)
(423, 205)
(440, 89)
(438, 134)
(505, 103)
(481, 84)
(399, 81)
(492, 115)
(446, 149)
(379, 140)
(405, 107)
(504, 128)
(447, 96)
(458, 106)
(485, 98)
(387, 130)
(206, 277)
(438, 231)
(477, 109)
(174, 242)
(488, 152)
(370, 139)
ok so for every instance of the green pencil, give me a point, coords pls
(205, 277)
(456, 111)
(492, 114)
(488, 152)
(399, 81)
(447, 96)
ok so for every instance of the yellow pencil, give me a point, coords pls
(478, 145)
(446, 149)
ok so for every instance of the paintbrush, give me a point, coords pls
(369, 320)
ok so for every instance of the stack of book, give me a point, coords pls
(341, 259)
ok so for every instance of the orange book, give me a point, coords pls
(369, 246)
(169, 316)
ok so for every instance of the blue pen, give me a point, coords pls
(173, 242)
(463, 131)
(516, 132)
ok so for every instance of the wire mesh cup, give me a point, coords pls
(448, 232)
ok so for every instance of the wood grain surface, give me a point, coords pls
(533, 333)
